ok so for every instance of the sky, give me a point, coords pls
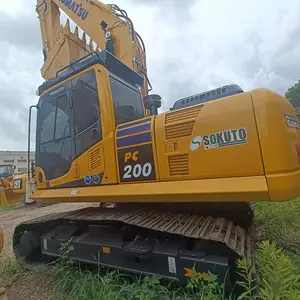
(192, 46)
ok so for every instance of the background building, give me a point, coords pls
(17, 158)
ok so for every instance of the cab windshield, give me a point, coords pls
(6, 171)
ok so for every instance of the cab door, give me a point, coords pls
(55, 149)
(88, 134)
(70, 141)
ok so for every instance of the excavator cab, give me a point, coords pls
(6, 171)
(76, 112)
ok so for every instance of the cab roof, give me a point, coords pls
(103, 58)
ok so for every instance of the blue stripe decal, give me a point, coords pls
(132, 130)
(135, 139)
(142, 121)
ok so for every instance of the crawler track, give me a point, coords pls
(184, 224)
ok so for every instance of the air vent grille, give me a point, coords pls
(182, 115)
(179, 165)
(95, 159)
(179, 130)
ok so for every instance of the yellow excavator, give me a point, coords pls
(13, 187)
(8, 185)
(175, 188)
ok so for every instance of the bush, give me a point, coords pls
(10, 271)
(278, 276)
(279, 222)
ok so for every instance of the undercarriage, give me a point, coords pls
(170, 244)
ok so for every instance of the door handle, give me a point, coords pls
(94, 130)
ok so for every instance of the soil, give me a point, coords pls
(32, 286)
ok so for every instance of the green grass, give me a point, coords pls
(279, 223)
(8, 208)
(279, 279)
(277, 264)
(72, 284)
(10, 271)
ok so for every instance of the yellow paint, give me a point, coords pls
(214, 190)
(81, 166)
(191, 273)
(63, 46)
(171, 146)
(19, 181)
(7, 194)
(106, 250)
(264, 168)
(3, 199)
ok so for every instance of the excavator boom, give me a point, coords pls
(107, 26)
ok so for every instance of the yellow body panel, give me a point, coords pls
(239, 189)
(279, 144)
(212, 117)
(7, 195)
(19, 184)
(233, 149)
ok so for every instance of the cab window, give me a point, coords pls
(127, 101)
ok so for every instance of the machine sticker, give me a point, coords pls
(52, 93)
(17, 184)
(74, 192)
(87, 179)
(225, 138)
(195, 143)
(172, 264)
(292, 121)
(136, 164)
(76, 8)
(96, 179)
(192, 273)
(45, 244)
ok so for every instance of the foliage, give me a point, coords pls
(202, 288)
(278, 276)
(279, 222)
(278, 273)
(75, 283)
(293, 94)
(10, 271)
(247, 281)
(8, 208)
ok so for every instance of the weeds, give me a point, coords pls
(8, 208)
(10, 271)
(278, 276)
(279, 222)
(74, 283)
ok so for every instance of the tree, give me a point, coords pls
(293, 95)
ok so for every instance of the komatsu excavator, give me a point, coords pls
(175, 188)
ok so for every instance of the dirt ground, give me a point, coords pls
(32, 286)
